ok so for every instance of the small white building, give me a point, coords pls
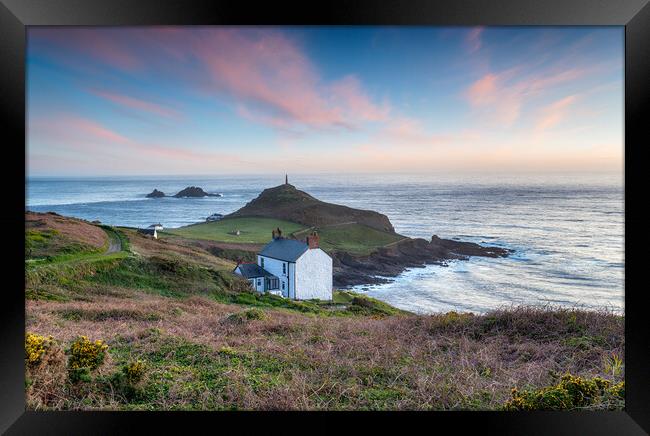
(299, 270)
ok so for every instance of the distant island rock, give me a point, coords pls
(155, 194)
(194, 191)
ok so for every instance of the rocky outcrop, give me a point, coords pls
(388, 262)
(194, 192)
(288, 203)
(155, 194)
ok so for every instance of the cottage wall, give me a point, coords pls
(314, 275)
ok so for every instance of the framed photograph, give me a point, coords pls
(376, 207)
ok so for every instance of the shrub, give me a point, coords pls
(85, 356)
(246, 315)
(254, 314)
(45, 373)
(36, 346)
(134, 371)
(571, 392)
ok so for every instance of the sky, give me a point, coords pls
(244, 100)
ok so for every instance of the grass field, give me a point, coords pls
(252, 230)
(355, 238)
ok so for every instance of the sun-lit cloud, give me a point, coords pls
(137, 104)
(194, 99)
(269, 78)
(502, 96)
(555, 113)
(473, 39)
(91, 138)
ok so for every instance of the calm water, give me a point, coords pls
(566, 230)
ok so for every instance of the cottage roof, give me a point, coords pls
(284, 249)
(155, 225)
(253, 270)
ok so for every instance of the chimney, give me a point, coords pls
(286, 179)
(312, 240)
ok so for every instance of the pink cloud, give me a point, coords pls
(108, 46)
(261, 70)
(136, 103)
(84, 135)
(275, 82)
(502, 96)
(473, 39)
(348, 93)
(555, 113)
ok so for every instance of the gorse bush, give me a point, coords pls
(572, 392)
(85, 356)
(134, 371)
(35, 348)
(246, 315)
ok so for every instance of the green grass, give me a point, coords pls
(356, 239)
(252, 230)
(70, 252)
(49, 245)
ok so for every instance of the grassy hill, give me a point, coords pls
(167, 326)
(357, 239)
(288, 203)
(252, 230)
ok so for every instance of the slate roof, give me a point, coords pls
(253, 270)
(284, 249)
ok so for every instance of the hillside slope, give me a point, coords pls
(288, 203)
(178, 331)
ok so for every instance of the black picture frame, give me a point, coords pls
(16, 15)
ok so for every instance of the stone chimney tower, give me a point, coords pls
(286, 179)
(313, 240)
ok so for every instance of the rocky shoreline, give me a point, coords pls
(388, 262)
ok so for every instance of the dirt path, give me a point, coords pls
(114, 242)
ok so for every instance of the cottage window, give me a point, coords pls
(283, 286)
(259, 282)
(284, 268)
(273, 283)
(262, 262)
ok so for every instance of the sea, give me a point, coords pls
(566, 230)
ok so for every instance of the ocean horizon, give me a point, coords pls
(566, 230)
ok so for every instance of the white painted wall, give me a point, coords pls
(314, 275)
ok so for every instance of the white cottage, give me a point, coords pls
(291, 268)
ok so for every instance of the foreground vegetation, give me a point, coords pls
(164, 326)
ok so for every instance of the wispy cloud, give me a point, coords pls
(501, 96)
(86, 136)
(137, 104)
(555, 113)
(268, 76)
(473, 39)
